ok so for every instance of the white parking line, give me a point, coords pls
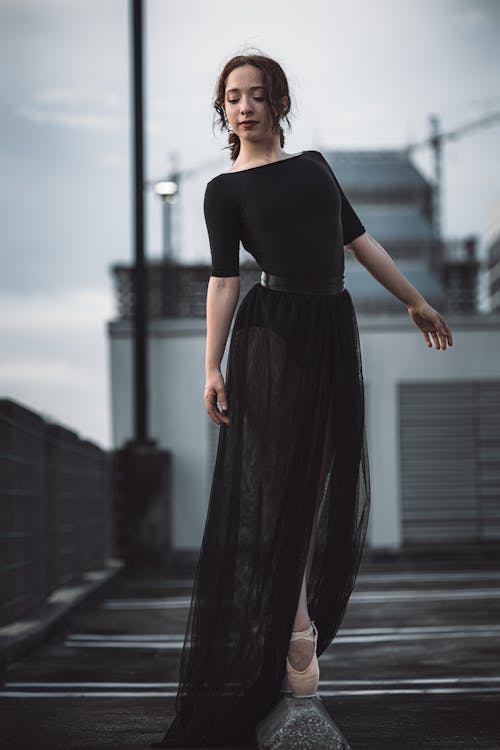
(382, 577)
(396, 681)
(86, 694)
(361, 597)
(124, 644)
(421, 576)
(426, 595)
(144, 637)
(172, 693)
(344, 636)
(412, 691)
(343, 631)
(163, 603)
(327, 688)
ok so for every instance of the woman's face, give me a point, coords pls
(246, 99)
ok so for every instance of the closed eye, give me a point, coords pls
(257, 99)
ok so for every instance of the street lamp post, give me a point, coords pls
(139, 273)
(167, 190)
(142, 477)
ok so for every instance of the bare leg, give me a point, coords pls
(300, 652)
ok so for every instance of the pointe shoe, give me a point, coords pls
(304, 682)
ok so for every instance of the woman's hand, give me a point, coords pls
(432, 324)
(379, 263)
(215, 392)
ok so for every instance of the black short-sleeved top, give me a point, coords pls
(291, 215)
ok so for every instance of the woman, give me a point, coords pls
(290, 494)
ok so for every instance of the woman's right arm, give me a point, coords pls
(222, 216)
(222, 297)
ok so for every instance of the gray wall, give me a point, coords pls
(393, 351)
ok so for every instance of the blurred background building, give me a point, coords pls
(433, 418)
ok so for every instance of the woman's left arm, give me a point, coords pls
(379, 263)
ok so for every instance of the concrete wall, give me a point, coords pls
(393, 351)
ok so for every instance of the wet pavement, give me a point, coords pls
(415, 665)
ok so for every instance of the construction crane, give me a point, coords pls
(435, 141)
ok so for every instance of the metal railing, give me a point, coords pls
(55, 508)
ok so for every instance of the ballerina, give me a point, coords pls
(290, 494)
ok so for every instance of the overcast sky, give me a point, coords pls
(363, 74)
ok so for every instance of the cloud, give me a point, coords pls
(78, 107)
(69, 311)
(81, 120)
(27, 370)
(55, 357)
(171, 104)
(84, 108)
(114, 159)
(76, 95)
(473, 18)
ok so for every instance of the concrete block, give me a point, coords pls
(299, 724)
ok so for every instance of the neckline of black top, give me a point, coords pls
(261, 166)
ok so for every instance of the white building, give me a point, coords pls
(433, 417)
(433, 425)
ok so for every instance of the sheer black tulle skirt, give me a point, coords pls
(293, 459)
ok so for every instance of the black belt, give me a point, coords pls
(320, 285)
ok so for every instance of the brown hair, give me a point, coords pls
(276, 87)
